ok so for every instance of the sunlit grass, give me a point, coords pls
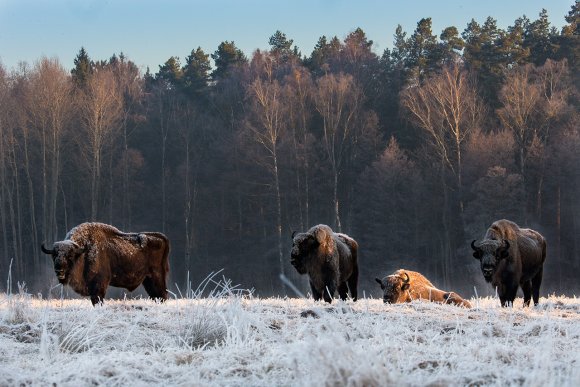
(218, 334)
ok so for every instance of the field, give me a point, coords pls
(227, 337)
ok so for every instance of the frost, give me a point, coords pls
(231, 338)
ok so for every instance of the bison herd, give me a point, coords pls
(510, 257)
(95, 255)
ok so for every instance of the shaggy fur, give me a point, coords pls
(95, 255)
(330, 260)
(509, 257)
(398, 288)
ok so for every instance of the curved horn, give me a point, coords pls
(293, 233)
(473, 244)
(46, 251)
(406, 281)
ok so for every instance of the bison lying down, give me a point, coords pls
(510, 257)
(329, 259)
(406, 286)
(95, 255)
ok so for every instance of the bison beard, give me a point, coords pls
(329, 259)
(406, 286)
(95, 255)
(509, 257)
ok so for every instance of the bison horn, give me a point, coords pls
(473, 244)
(406, 280)
(45, 250)
(293, 233)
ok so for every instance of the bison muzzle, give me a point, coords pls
(95, 255)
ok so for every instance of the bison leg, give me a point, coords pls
(329, 292)
(97, 290)
(315, 293)
(455, 299)
(353, 284)
(527, 289)
(343, 291)
(155, 288)
(536, 282)
(509, 295)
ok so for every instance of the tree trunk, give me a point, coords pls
(32, 210)
(279, 219)
(336, 207)
(95, 180)
(446, 234)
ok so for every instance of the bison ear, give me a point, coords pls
(293, 233)
(379, 281)
(314, 242)
(82, 249)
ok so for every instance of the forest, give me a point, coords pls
(413, 152)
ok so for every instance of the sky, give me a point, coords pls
(148, 32)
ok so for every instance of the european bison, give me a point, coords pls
(95, 255)
(406, 286)
(511, 256)
(329, 259)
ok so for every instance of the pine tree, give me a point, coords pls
(569, 42)
(225, 57)
(450, 46)
(282, 47)
(422, 58)
(83, 68)
(196, 73)
(540, 39)
(170, 73)
(483, 55)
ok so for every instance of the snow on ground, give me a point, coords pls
(234, 339)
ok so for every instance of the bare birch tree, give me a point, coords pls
(298, 89)
(49, 108)
(101, 110)
(519, 111)
(447, 109)
(267, 128)
(338, 100)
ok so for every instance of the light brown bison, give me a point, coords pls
(509, 257)
(330, 259)
(95, 255)
(406, 286)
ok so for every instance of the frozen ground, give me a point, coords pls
(230, 338)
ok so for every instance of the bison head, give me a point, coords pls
(303, 246)
(394, 287)
(64, 255)
(490, 252)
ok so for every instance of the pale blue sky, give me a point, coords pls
(149, 31)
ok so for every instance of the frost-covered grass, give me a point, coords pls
(231, 338)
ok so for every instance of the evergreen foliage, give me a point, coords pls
(413, 152)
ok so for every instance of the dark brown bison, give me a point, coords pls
(406, 286)
(511, 256)
(95, 255)
(329, 259)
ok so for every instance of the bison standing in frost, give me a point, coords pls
(511, 256)
(329, 259)
(406, 286)
(95, 255)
